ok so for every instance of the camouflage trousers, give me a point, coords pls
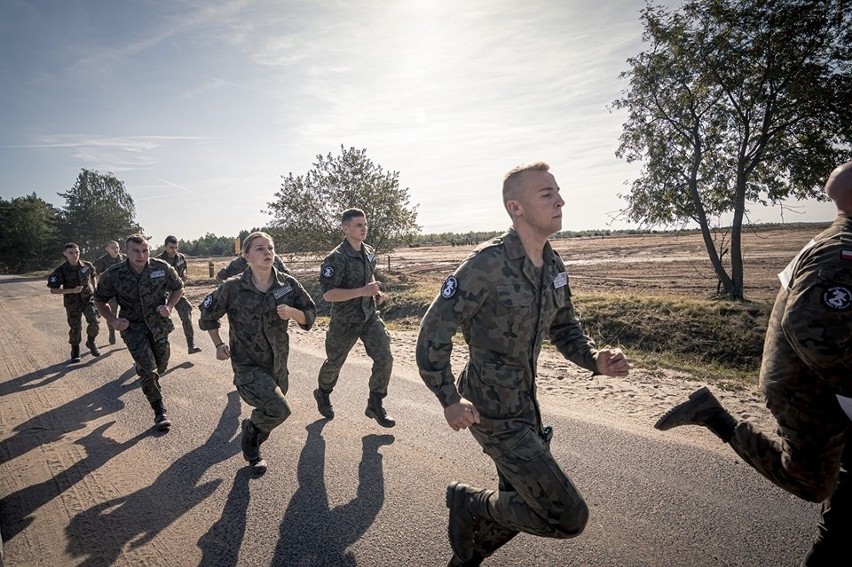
(113, 304)
(534, 495)
(151, 357)
(340, 339)
(259, 389)
(75, 315)
(184, 309)
(811, 457)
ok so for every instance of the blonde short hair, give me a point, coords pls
(511, 181)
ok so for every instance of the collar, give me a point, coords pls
(515, 248)
(349, 251)
(279, 279)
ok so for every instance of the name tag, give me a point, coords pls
(84, 269)
(371, 257)
(282, 291)
(561, 280)
(158, 274)
(180, 263)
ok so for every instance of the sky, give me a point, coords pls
(201, 106)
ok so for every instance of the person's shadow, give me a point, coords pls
(18, 507)
(48, 375)
(52, 425)
(136, 519)
(312, 535)
(221, 544)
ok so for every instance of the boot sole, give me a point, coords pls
(164, 425)
(696, 396)
(387, 424)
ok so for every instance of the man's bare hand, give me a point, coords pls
(461, 414)
(612, 362)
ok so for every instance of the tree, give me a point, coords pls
(29, 234)
(735, 102)
(97, 209)
(307, 209)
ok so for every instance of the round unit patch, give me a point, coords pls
(838, 297)
(208, 301)
(327, 271)
(451, 285)
(52, 279)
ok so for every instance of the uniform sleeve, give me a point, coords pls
(304, 302)
(331, 272)
(56, 279)
(106, 286)
(181, 271)
(817, 321)
(174, 282)
(212, 308)
(232, 269)
(566, 334)
(461, 296)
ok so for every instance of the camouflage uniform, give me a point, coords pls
(183, 306)
(357, 318)
(239, 264)
(807, 362)
(77, 305)
(505, 306)
(139, 296)
(259, 340)
(102, 264)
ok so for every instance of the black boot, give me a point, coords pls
(93, 348)
(112, 336)
(250, 444)
(75, 353)
(376, 411)
(161, 420)
(324, 403)
(191, 348)
(702, 408)
(475, 560)
(465, 504)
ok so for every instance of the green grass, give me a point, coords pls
(714, 340)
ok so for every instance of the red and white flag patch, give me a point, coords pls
(846, 254)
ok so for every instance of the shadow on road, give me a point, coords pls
(220, 546)
(53, 424)
(45, 376)
(312, 534)
(16, 508)
(102, 533)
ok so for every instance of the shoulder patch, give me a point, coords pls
(450, 287)
(208, 301)
(846, 254)
(838, 297)
(327, 271)
(52, 279)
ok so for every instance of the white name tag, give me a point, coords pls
(370, 257)
(158, 274)
(561, 280)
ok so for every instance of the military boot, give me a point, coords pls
(324, 403)
(93, 348)
(112, 336)
(75, 353)
(250, 443)
(702, 408)
(465, 504)
(161, 420)
(376, 411)
(192, 349)
(475, 560)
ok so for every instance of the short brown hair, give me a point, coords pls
(69, 245)
(350, 214)
(170, 239)
(136, 239)
(512, 178)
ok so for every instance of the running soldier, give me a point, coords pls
(178, 261)
(348, 281)
(113, 256)
(147, 289)
(806, 379)
(75, 280)
(506, 297)
(259, 305)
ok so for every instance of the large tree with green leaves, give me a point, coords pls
(735, 102)
(306, 211)
(29, 234)
(97, 209)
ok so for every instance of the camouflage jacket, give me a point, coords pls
(106, 261)
(139, 295)
(346, 268)
(68, 276)
(504, 307)
(178, 262)
(810, 328)
(258, 336)
(239, 264)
